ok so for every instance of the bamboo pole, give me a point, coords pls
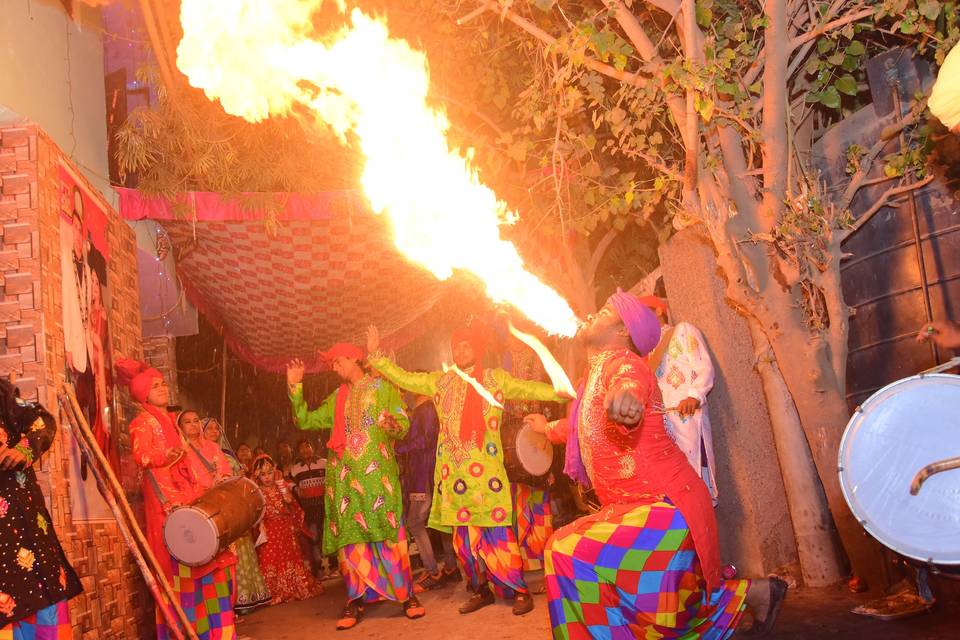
(69, 400)
(223, 387)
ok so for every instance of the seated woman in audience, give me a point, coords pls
(252, 591)
(281, 560)
(245, 458)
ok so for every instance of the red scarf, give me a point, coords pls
(472, 423)
(338, 439)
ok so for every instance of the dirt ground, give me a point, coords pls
(809, 614)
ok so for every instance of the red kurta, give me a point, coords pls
(166, 486)
(626, 463)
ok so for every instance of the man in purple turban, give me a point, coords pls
(656, 513)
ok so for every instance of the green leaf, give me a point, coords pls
(850, 63)
(846, 84)
(856, 48)
(830, 98)
(756, 87)
(824, 45)
(704, 15)
(836, 59)
(929, 9)
(812, 66)
(544, 5)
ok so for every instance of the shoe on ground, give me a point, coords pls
(451, 575)
(482, 598)
(413, 609)
(428, 581)
(350, 616)
(522, 604)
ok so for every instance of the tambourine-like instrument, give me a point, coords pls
(527, 455)
(195, 534)
(899, 468)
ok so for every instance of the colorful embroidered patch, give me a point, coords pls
(26, 559)
(4, 507)
(460, 487)
(491, 449)
(675, 378)
(495, 485)
(476, 469)
(7, 604)
(463, 515)
(42, 523)
(499, 514)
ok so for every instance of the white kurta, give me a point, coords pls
(686, 371)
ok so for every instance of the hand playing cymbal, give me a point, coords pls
(536, 421)
(945, 335)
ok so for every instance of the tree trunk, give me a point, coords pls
(823, 412)
(812, 526)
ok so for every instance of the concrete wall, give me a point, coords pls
(756, 533)
(51, 73)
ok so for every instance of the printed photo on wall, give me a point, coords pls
(84, 256)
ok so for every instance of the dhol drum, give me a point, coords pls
(527, 455)
(195, 534)
(898, 468)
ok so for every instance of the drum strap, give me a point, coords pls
(211, 467)
(656, 356)
(156, 486)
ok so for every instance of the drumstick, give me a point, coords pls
(949, 364)
(73, 408)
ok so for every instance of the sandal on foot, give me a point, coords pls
(350, 616)
(413, 609)
(428, 581)
(482, 598)
(522, 604)
(778, 593)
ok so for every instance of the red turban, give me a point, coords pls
(342, 350)
(138, 376)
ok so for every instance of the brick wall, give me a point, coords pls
(115, 604)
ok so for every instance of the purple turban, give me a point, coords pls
(640, 321)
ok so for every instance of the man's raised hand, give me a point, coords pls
(373, 339)
(295, 371)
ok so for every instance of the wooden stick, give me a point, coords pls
(114, 484)
(124, 527)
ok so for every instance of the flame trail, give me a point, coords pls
(259, 58)
(473, 382)
(561, 383)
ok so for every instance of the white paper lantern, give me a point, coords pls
(945, 98)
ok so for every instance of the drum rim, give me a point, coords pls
(527, 429)
(857, 415)
(207, 521)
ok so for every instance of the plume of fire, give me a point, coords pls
(561, 383)
(473, 382)
(260, 58)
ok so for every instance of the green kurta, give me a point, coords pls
(473, 485)
(363, 500)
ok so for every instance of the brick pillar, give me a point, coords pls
(756, 533)
(160, 352)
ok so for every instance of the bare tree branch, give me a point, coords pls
(544, 37)
(827, 27)
(599, 251)
(882, 201)
(774, 127)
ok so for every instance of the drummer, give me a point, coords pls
(170, 480)
(474, 497)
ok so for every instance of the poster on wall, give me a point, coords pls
(84, 256)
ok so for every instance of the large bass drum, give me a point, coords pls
(197, 533)
(898, 468)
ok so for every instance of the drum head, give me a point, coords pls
(893, 435)
(534, 451)
(191, 536)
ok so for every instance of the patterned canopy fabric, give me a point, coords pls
(285, 291)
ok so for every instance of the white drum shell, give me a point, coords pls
(893, 435)
(191, 536)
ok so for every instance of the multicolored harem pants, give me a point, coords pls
(533, 521)
(490, 552)
(377, 571)
(631, 571)
(49, 623)
(207, 601)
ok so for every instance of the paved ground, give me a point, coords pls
(809, 614)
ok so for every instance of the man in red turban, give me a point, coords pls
(170, 480)
(474, 499)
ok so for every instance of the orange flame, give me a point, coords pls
(258, 59)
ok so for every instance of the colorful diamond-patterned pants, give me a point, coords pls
(490, 552)
(533, 520)
(49, 623)
(631, 571)
(207, 601)
(377, 571)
